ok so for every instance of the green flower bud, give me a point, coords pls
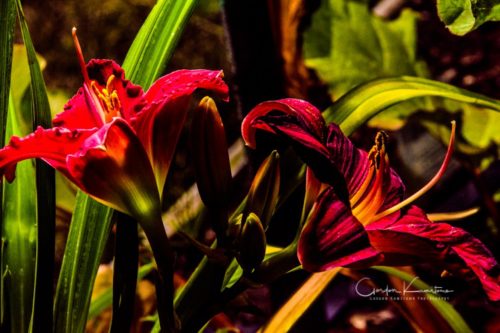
(252, 243)
(263, 194)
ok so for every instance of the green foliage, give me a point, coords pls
(463, 16)
(7, 21)
(19, 228)
(347, 45)
(90, 226)
(367, 100)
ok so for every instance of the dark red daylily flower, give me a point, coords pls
(361, 219)
(113, 140)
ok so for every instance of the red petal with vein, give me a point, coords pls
(297, 111)
(415, 237)
(80, 111)
(333, 237)
(301, 124)
(114, 169)
(51, 145)
(160, 123)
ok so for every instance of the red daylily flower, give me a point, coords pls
(360, 218)
(113, 140)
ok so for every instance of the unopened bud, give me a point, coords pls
(210, 157)
(313, 189)
(252, 243)
(263, 193)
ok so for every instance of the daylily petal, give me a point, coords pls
(302, 124)
(414, 236)
(333, 237)
(81, 111)
(113, 168)
(51, 145)
(160, 123)
(289, 110)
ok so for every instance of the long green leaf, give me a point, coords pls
(45, 189)
(365, 101)
(90, 227)
(158, 36)
(19, 230)
(452, 317)
(7, 22)
(156, 41)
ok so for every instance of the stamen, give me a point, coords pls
(81, 59)
(374, 199)
(361, 191)
(429, 185)
(115, 101)
(438, 217)
(110, 81)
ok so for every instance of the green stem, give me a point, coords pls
(164, 257)
(202, 288)
(125, 272)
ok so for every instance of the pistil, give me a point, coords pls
(429, 185)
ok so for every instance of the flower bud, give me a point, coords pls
(263, 193)
(210, 157)
(252, 243)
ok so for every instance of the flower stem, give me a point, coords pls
(164, 257)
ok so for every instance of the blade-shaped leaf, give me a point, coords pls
(45, 189)
(90, 227)
(156, 41)
(7, 22)
(453, 318)
(299, 302)
(19, 228)
(360, 104)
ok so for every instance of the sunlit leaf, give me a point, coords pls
(7, 22)
(299, 302)
(348, 45)
(463, 16)
(156, 41)
(19, 227)
(362, 103)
